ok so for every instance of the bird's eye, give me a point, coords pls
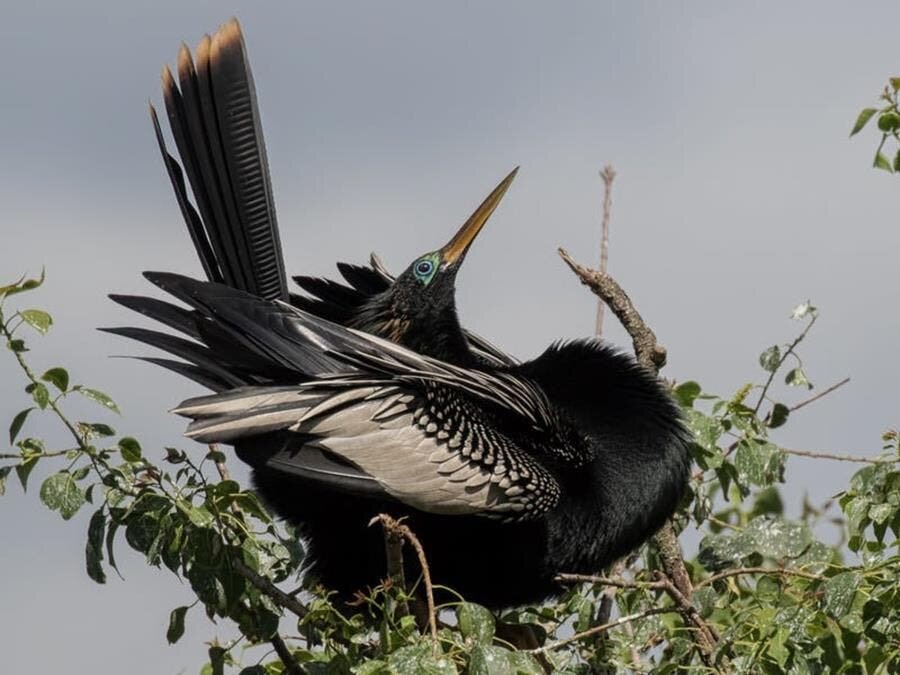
(424, 267)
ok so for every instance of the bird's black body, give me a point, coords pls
(508, 472)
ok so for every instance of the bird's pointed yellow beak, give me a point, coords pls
(456, 248)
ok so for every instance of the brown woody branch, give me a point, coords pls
(652, 355)
(598, 630)
(395, 528)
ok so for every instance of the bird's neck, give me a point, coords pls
(431, 330)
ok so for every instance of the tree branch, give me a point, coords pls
(777, 571)
(608, 174)
(821, 394)
(401, 530)
(290, 665)
(839, 458)
(596, 630)
(278, 596)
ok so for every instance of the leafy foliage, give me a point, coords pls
(770, 589)
(887, 119)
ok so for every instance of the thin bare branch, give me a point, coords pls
(839, 458)
(777, 571)
(608, 174)
(597, 630)
(787, 352)
(389, 523)
(821, 394)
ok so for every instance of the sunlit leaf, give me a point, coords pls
(862, 119)
(770, 359)
(797, 378)
(37, 319)
(60, 493)
(99, 397)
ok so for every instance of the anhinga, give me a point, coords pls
(370, 397)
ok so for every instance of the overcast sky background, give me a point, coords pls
(738, 196)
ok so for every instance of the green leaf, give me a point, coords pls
(93, 550)
(492, 660)
(16, 425)
(839, 593)
(199, 516)
(58, 377)
(862, 119)
(37, 319)
(23, 470)
(897, 161)
(99, 397)
(882, 162)
(16, 346)
(22, 286)
(418, 659)
(687, 393)
(176, 625)
(779, 415)
(881, 512)
(475, 622)
(888, 121)
(776, 537)
(110, 543)
(4, 472)
(770, 359)
(39, 393)
(130, 449)
(797, 378)
(758, 463)
(60, 493)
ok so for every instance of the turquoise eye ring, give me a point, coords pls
(424, 268)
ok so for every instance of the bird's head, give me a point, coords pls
(419, 308)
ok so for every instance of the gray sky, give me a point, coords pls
(738, 196)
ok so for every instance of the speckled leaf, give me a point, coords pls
(490, 660)
(758, 463)
(99, 397)
(839, 593)
(770, 358)
(797, 378)
(476, 622)
(778, 538)
(60, 493)
(37, 319)
(419, 660)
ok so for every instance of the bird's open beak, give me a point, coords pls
(455, 250)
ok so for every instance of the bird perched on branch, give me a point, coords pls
(370, 397)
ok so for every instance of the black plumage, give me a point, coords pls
(370, 397)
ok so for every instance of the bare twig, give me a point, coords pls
(776, 571)
(646, 348)
(608, 174)
(389, 523)
(597, 630)
(290, 665)
(787, 352)
(839, 458)
(821, 394)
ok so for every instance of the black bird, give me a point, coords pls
(509, 473)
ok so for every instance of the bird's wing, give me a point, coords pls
(426, 447)
(433, 435)
(216, 126)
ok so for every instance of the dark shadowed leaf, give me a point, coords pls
(60, 493)
(4, 472)
(864, 116)
(37, 319)
(93, 550)
(58, 377)
(130, 449)
(24, 469)
(176, 625)
(16, 425)
(779, 416)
